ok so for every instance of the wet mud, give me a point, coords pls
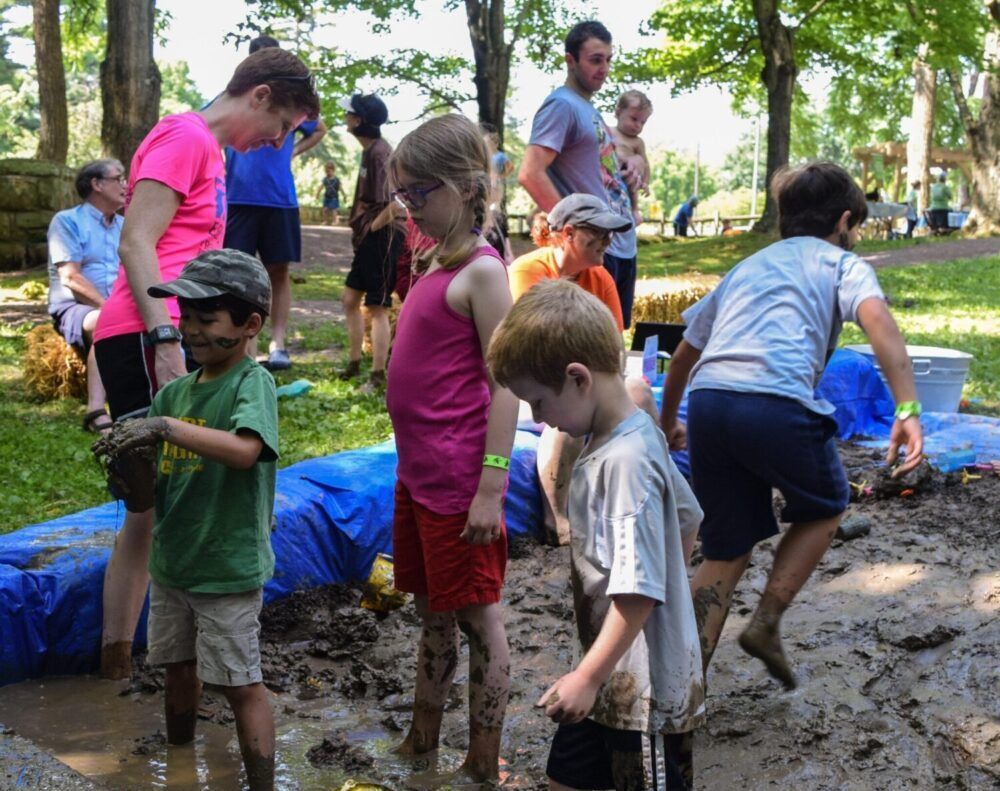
(895, 643)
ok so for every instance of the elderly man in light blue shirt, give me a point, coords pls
(83, 264)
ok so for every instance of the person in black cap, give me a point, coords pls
(377, 244)
(215, 431)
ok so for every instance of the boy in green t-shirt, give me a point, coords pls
(217, 432)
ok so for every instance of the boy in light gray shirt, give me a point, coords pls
(626, 712)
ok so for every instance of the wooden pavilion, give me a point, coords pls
(894, 154)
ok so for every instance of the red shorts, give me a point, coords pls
(430, 557)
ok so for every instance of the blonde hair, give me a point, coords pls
(449, 149)
(629, 98)
(553, 324)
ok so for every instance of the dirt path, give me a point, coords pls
(936, 252)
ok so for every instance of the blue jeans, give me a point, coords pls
(623, 271)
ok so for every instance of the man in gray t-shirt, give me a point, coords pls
(571, 150)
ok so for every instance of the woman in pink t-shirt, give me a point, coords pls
(176, 209)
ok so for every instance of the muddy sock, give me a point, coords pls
(762, 639)
(181, 726)
(116, 660)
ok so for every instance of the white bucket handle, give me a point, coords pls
(921, 366)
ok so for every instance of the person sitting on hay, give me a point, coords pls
(83, 264)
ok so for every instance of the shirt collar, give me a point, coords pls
(97, 214)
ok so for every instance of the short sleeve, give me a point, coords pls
(689, 513)
(64, 240)
(634, 529)
(609, 296)
(700, 318)
(306, 128)
(175, 156)
(857, 283)
(378, 175)
(552, 124)
(523, 276)
(256, 410)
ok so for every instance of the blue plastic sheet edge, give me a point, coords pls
(332, 516)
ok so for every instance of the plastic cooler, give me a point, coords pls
(939, 374)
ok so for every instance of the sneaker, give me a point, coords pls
(352, 370)
(375, 383)
(278, 360)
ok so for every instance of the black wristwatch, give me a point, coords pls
(165, 333)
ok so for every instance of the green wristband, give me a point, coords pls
(908, 409)
(500, 462)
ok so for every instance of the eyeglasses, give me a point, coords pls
(309, 79)
(414, 197)
(599, 233)
(122, 179)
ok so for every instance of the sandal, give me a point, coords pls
(90, 421)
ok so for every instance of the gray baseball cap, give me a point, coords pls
(582, 209)
(218, 272)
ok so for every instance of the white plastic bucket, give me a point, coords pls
(939, 374)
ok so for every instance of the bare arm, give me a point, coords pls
(84, 291)
(572, 697)
(309, 141)
(890, 350)
(534, 178)
(386, 216)
(239, 451)
(683, 360)
(489, 300)
(150, 213)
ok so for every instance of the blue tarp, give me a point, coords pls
(332, 516)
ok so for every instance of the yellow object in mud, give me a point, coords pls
(379, 594)
(354, 785)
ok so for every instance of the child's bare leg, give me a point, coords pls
(799, 551)
(687, 545)
(712, 592)
(556, 454)
(489, 687)
(182, 693)
(437, 659)
(255, 731)
(125, 582)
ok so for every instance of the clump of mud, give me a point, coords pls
(336, 751)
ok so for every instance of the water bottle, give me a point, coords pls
(955, 459)
(294, 389)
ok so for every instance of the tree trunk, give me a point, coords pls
(53, 134)
(984, 134)
(130, 81)
(918, 147)
(779, 74)
(492, 60)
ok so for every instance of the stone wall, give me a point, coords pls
(31, 191)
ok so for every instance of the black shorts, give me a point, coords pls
(128, 372)
(743, 445)
(623, 271)
(373, 269)
(274, 235)
(593, 757)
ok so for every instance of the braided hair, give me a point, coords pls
(449, 149)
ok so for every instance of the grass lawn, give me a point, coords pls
(45, 461)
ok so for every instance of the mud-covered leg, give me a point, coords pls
(712, 592)
(557, 452)
(489, 688)
(437, 659)
(182, 694)
(255, 731)
(125, 582)
(800, 549)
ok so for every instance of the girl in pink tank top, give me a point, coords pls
(454, 431)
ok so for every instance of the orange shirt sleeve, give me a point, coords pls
(602, 286)
(523, 276)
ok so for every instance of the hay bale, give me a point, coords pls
(666, 298)
(52, 368)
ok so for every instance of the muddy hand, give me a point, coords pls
(910, 433)
(131, 434)
(569, 700)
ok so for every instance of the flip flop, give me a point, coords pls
(91, 425)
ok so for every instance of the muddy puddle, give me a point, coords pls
(895, 640)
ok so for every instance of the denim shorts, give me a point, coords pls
(744, 445)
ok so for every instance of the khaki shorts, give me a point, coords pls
(219, 630)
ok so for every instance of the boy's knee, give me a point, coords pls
(246, 693)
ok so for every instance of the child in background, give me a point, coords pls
(217, 429)
(454, 431)
(330, 195)
(754, 350)
(640, 679)
(632, 111)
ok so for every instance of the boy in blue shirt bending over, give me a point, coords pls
(627, 710)
(754, 350)
(217, 432)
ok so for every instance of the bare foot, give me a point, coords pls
(412, 747)
(460, 778)
(764, 642)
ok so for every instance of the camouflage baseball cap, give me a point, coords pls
(218, 272)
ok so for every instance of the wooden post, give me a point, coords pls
(898, 177)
